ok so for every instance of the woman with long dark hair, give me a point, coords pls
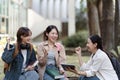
(99, 66)
(20, 57)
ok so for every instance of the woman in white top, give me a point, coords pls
(99, 66)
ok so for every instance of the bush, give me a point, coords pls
(78, 39)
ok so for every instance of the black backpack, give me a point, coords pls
(116, 66)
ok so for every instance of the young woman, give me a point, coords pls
(19, 57)
(51, 54)
(99, 66)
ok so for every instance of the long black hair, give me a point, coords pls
(48, 30)
(97, 39)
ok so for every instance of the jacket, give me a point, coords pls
(61, 52)
(16, 63)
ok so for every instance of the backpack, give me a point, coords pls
(116, 66)
(6, 65)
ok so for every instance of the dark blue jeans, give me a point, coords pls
(89, 78)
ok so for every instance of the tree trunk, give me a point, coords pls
(99, 6)
(107, 26)
(117, 26)
(93, 19)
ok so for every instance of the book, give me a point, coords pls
(54, 73)
(65, 66)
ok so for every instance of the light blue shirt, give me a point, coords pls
(51, 58)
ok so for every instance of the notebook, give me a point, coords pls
(54, 73)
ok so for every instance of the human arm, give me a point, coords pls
(76, 71)
(61, 56)
(8, 52)
(32, 60)
(93, 66)
(78, 52)
(42, 55)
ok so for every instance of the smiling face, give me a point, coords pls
(90, 46)
(52, 35)
(26, 39)
(24, 35)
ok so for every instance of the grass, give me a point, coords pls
(1, 70)
(71, 59)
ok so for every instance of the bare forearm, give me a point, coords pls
(80, 59)
(82, 73)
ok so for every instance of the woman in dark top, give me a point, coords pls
(20, 57)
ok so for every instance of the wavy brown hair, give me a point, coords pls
(22, 31)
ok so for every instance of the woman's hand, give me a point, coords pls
(8, 41)
(76, 71)
(42, 61)
(72, 70)
(78, 50)
(62, 71)
(30, 67)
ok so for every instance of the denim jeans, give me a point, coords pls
(29, 75)
(47, 76)
(89, 78)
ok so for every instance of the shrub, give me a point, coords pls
(78, 39)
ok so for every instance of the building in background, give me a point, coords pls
(37, 15)
(58, 12)
(13, 14)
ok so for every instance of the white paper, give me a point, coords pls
(36, 62)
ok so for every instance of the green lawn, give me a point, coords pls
(1, 70)
(72, 59)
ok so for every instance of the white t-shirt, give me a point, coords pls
(24, 53)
